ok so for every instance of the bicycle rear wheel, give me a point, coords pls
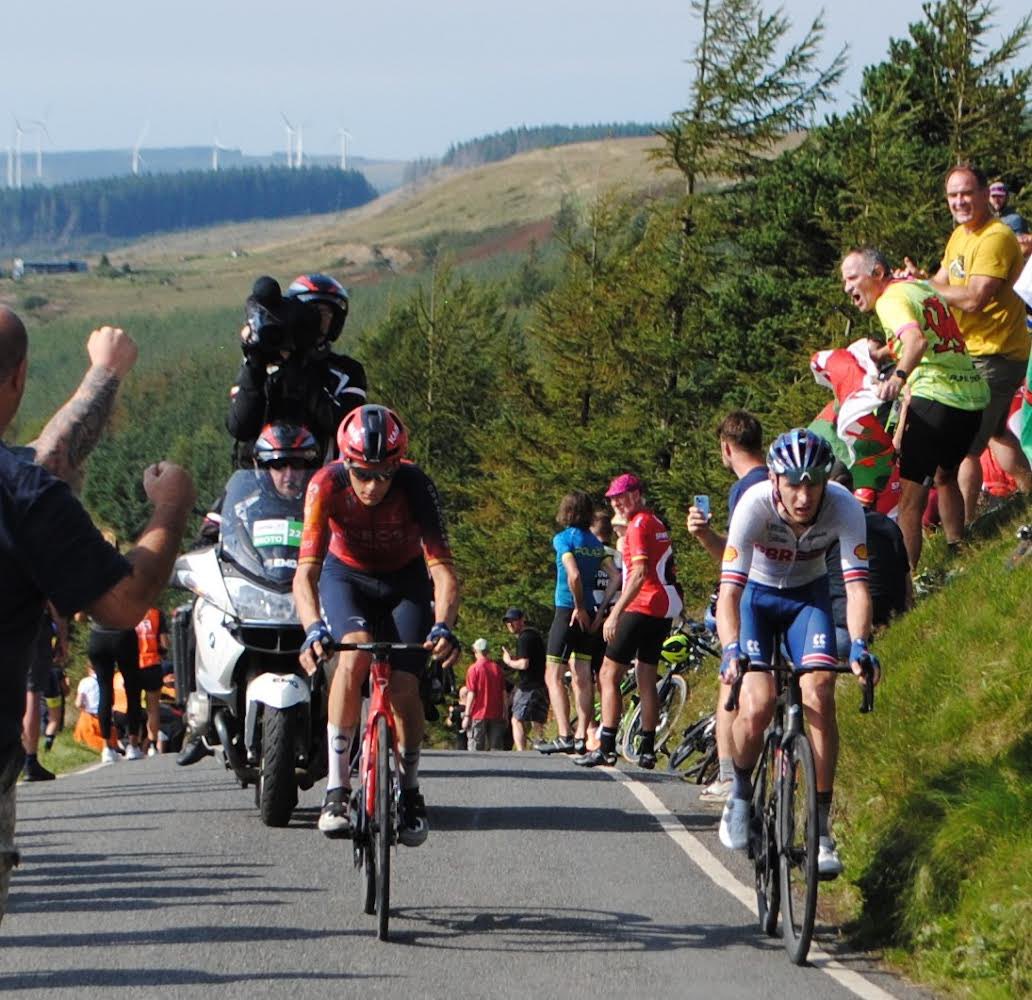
(694, 741)
(670, 708)
(763, 838)
(798, 848)
(383, 827)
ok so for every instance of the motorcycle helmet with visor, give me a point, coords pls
(321, 289)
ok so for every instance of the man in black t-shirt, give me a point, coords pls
(530, 699)
(49, 549)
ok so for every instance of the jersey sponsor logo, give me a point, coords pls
(775, 554)
(730, 554)
(860, 551)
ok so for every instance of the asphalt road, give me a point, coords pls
(538, 879)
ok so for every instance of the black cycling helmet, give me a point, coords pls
(286, 442)
(801, 456)
(315, 288)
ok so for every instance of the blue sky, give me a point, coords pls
(406, 78)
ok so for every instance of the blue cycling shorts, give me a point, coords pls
(802, 614)
(395, 607)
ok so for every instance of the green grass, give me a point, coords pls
(934, 794)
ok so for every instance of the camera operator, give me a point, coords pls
(289, 373)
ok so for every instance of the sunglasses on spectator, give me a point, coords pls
(364, 475)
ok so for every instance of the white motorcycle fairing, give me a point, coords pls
(278, 691)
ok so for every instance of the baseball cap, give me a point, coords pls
(624, 484)
(512, 614)
(997, 187)
(480, 645)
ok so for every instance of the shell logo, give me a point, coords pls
(730, 554)
(860, 551)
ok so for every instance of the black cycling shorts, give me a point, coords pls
(638, 636)
(395, 607)
(935, 437)
(566, 640)
(151, 677)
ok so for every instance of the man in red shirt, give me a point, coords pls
(485, 700)
(639, 622)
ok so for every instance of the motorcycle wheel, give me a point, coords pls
(277, 783)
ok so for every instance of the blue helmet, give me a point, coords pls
(801, 456)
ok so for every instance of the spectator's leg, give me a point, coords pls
(951, 506)
(646, 676)
(557, 696)
(584, 692)
(153, 710)
(519, 734)
(969, 480)
(912, 500)
(1007, 451)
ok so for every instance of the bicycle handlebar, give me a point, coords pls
(378, 648)
(745, 665)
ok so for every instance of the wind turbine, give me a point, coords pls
(299, 153)
(18, 133)
(136, 158)
(10, 166)
(41, 130)
(345, 139)
(216, 148)
(291, 132)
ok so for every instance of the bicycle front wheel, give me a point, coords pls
(763, 838)
(798, 834)
(383, 826)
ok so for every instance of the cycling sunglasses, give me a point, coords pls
(796, 477)
(364, 475)
(287, 463)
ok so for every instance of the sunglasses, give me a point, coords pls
(286, 463)
(799, 476)
(364, 475)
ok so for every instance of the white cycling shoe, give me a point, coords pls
(829, 864)
(734, 824)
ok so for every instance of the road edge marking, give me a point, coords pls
(708, 863)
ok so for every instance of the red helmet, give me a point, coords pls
(286, 441)
(316, 288)
(372, 434)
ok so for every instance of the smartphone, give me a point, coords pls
(701, 501)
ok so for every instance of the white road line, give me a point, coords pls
(704, 859)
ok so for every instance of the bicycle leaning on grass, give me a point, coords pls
(784, 830)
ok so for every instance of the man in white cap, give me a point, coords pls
(485, 701)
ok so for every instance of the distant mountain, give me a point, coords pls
(94, 164)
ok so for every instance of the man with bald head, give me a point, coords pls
(50, 550)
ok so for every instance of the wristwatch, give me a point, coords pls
(900, 374)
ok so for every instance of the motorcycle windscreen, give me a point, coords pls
(261, 528)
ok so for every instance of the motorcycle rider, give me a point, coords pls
(289, 372)
(284, 457)
(375, 555)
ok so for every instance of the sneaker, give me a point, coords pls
(335, 818)
(561, 744)
(152, 751)
(109, 755)
(133, 752)
(734, 824)
(597, 758)
(35, 771)
(719, 791)
(580, 747)
(647, 761)
(829, 864)
(412, 823)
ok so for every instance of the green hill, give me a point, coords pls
(934, 796)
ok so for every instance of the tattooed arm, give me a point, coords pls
(73, 432)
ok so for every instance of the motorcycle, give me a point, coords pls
(236, 652)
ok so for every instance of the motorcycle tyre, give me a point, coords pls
(276, 790)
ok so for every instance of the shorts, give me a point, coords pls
(530, 706)
(394, 607)
(1003, 376)
(488, 734)
(802, 615)
(935, 436)
(566, 640)
(638, 636)
(150, 678)
(42, 659)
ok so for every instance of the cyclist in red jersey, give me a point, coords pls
(373, 531)
(639, 622)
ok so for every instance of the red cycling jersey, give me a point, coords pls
(406, 524)
(648, 540)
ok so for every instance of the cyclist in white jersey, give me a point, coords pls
(773, 581)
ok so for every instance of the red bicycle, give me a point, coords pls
(376, 802)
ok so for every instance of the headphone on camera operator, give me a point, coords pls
(289, 372)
